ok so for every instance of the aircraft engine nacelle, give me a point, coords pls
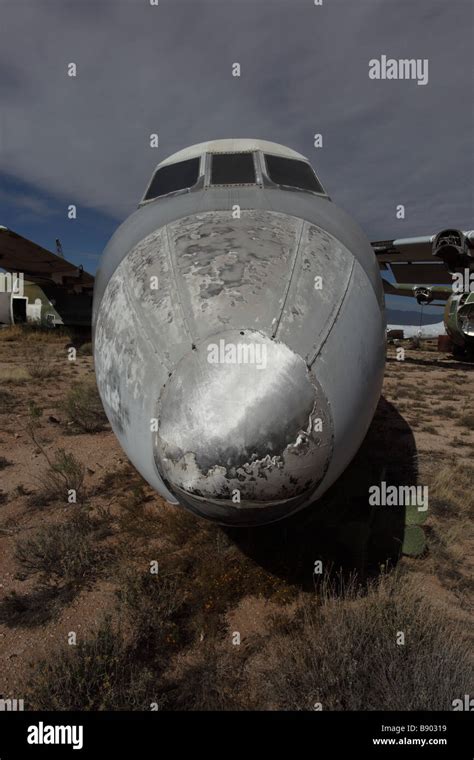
(423, 295)
(454, 249)
(466, 316)
(459, 319)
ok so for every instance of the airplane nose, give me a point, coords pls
(243, 426)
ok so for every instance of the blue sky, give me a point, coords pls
(167, 69)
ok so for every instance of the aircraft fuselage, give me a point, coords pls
(239, 340)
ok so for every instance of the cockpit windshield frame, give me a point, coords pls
(241, 181)
(262, 177)
(268, 181)
(180, 191)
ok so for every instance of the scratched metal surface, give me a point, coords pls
(147, 219)
(224, 428)
(232, 273)
(259, 429)
(350, 367)
(214, 273)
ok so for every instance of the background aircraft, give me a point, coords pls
(52, 291)
(239, 328)
(458, 313)
(417, 331)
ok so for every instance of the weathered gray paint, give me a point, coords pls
(242, 427)
(249, 281)
(312, 208)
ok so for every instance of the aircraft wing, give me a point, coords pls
(423, 294)
(426, 260)
(20, 255)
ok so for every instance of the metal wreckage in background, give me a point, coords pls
(239, 329)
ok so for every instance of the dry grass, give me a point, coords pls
(137, 517)
(214, 679)
(429, 429)
(467, 420)
(42, 360)
(339, 649)
(83, 408)
(97, 675)
(18, 610)
(61, 559)
(11, 375)
(64, 475)
(343, 653)
(170, 641)
(451, 490)
(450, 527)
(63, 553)
(7, 401)
(85, 349)
(11, 334)
(31, 333)
(455, 536)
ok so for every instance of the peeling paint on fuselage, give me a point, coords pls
(226, 428)
(257, 273)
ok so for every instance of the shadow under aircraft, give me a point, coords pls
(345, 532)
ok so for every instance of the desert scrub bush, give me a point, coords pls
(430, 429)
(446, 411)
(34, 608)
(467, 420)
(85, 349)
(69, 553)
(117, 669)
(62, 559)
(157, 609)
(83, 408)
(213, 679)
(343, 653)
(41, 360)
(100, 674)
(63, 475)
(137, 518)
(128, 667)
(7, 401)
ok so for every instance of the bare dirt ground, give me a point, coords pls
(58, 579)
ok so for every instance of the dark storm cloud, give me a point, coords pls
(167, 69)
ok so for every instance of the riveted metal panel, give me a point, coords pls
(129, 372)
(317, 210)
(350, 367)
(233, 272)
(317, 288)
(154, 288)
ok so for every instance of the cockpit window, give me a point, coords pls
(232, 169)
(169, 179)
(292, 173)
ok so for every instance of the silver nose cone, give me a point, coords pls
(243, 426)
